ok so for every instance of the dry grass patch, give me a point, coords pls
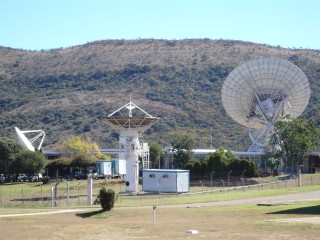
(234, 222)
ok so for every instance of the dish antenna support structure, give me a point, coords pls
(258, 92)
(28, 143)
(131, 121)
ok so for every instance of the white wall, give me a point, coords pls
(165, 181)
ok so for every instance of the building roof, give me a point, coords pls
(165, 170)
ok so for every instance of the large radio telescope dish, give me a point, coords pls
(258, 92)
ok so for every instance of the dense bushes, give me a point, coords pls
(221, 162)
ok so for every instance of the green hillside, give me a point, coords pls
(70, 91)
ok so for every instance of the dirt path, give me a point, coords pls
(42, 213)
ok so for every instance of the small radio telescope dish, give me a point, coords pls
(28, 143)
(138, 121)
(258, 92)
(131, 121)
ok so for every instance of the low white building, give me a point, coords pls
(165, 180)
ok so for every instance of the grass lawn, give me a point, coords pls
(132, 217)
(247, 221)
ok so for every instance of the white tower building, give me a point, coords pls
(131, 121)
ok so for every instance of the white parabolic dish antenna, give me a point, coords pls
(131, 121)
(258, 92)
(28, 143)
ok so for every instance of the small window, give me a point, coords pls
(151, 175)
(165, 176)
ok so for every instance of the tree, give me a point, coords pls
(8, 150)
(274, 163)
(248, 168)
(76, 147)
(82, 153)
(197, 167)
(81, 161)
(103, 156)
(235, 166)
(155, 152)
(182, 146)
(294, 138)
(60, 164)
(28, 162)
(190, 166)
(218, 161)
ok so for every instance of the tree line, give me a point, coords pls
(14, 159)
(78, 153)
(220, 162)
(293, 140)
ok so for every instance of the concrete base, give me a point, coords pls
(192, 231)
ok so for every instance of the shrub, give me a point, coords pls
(46, 180)
(106, 198)
(190, 166)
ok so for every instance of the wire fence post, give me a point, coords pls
(154, 215)
(201, 185)
(22, 196)
(79, 193)
(211, 179)
(10, 198)
(1, 197)
(41, 195)
(52, 197)
(222, 184)
(30, 200)
(229, 177)
(242, 183)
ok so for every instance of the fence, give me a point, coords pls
(74, 194)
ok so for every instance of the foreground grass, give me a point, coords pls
(246, 221)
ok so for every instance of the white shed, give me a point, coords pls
(165, 180)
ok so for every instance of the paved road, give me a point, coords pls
(286, 198)
(305, 196)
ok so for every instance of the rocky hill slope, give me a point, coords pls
(70, 91)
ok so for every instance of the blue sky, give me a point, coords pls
(48, 24)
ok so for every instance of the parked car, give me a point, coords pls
(35, 177)
(68, 177)
(2, 178)
(22, 177)
(93, 175)
(11, 178)
(80, 176)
